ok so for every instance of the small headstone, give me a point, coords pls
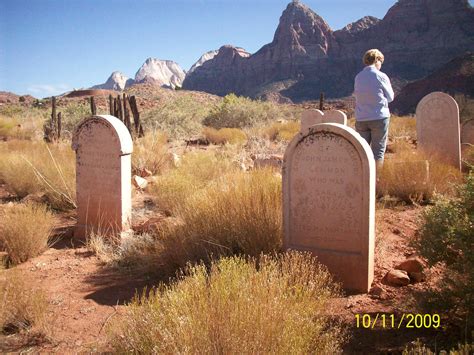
(329, 201)
(103, 148)
(311, 117)
(437, 127)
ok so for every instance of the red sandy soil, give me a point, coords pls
(84, 294)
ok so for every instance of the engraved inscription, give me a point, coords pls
(325, 194)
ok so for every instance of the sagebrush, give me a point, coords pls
(279, 305)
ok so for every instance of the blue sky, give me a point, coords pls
(48, 47)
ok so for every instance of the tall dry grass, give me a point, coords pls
(224, 135)
(195, 171)
(20, 306)
(414, 177)
(30, 167)
(237, 214)
(280, 305)
(25, 231)
(282, 131)
(151, 152)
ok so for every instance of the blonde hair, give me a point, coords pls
(371, 56)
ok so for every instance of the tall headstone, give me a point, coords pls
(312, 117)
(329, 201)
(437, 127)
(103, 148)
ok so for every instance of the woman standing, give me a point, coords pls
(373, 92)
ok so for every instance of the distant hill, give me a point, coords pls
(455, 77)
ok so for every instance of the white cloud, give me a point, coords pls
(44, 90)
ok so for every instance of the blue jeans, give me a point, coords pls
(375, 133)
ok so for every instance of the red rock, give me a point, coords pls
(411, 265)
(397, 278)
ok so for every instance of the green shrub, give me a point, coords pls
(447, 236)
(179, 118)
(279, 306)
(241, 112)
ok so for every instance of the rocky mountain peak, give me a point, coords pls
(360, 25)
(161, 72)
(303, 31)
(116, 81)
(204, 58)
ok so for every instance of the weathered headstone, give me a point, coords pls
(329, 201)
(312, 117)
(437, 127)
(103, 148)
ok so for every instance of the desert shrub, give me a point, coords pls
(179, 118)
(20, 306)
(150, 152)
(35, 167)
(282, 131)
(25, 231)
(195, 171)
(279, 306)
(405, 177)
(224, 135)
(241, 112)
(71, 114)
(239, 213)
(447, 236)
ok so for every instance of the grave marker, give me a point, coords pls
(437, 127)
(103, 149)
(329, 201)
(312, 117)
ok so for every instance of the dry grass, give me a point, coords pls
(406, 177)
(195, 171)
(279, 306)
(282, 131)
(402, 128)
(20, 306)
(151, 153)
(240, 213)
(25, 231)
(224, 135)
(29, 167)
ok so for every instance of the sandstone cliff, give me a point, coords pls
(116, 81)
(306, 56)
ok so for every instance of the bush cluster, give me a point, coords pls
(276, 306)
(447, 236)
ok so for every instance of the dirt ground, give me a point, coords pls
(84, 294)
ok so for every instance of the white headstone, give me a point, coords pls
(329, 201)
(312, 117)
(437, 127)
(103, 148)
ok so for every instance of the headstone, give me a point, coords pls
(329, 201)
(103, 148)
(437, 127)
(312, 117)
(467, 134)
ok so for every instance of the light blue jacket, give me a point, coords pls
(373, 92)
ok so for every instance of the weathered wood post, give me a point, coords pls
(93, 106)
(321, 101)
